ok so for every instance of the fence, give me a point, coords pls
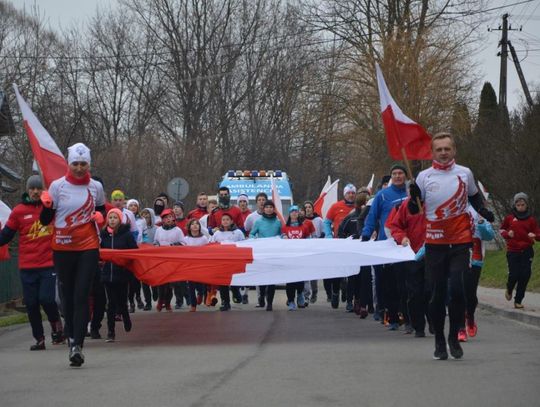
(10, 283)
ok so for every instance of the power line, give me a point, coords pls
(470, 13)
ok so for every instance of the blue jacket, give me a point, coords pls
(381, 206)
(266, 227)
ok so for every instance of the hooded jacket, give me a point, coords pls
(122, 239)
(148, 232)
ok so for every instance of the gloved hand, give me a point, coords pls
(46, 199)
(414, 191)
(98, 218)
(486, 214)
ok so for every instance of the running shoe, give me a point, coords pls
(440, 351)
(193, 308)
(462, 335)
(140, 304)
(177, 306)
(225, 307)
(76, 356)
(148, 307)
(245, 299)
(269, 307)
(472, 329)
(508, 295)
(313, 298)
(131, 307)
(127, 323)
(335, 301)
(349, 307)
(58, 338)
(301, 301)
(168, 307)
(110, 336)
(518, 305)
(394, 326)
(363, 313)
(39, 345)
(408, 329)
(199, 299)
(455, 348)
(159, 306)
(291, 306)
(419, 334)
(356, 307)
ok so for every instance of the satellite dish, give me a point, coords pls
(178, 188)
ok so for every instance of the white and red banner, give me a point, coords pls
(401, 131)
(328, 197)
(52, 163)
(256, 261)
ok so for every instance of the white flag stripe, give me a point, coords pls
(277, 261)
(387, 100)
(44, 138)
(330, 198)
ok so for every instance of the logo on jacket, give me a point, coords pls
(454, 206)
(37, 230)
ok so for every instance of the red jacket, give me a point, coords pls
(197, 213)
(34, 238)
(521, 228)
(404, 224)
(214, 219)
(182, 224)
(337, 212)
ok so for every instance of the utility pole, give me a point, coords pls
(504, 59)
(504, 43)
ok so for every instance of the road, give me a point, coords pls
(249, 357)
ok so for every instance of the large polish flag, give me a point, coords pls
(328, 197)
(256, 261)
(402, 133)
(46, 153)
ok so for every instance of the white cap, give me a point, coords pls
(78, 153)
(349, 188)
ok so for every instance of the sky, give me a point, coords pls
(525, 15)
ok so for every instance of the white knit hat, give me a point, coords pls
(78, 153)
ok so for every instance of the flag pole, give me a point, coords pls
(409, 170)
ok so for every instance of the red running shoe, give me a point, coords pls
(199, 299)
(168, 307)
(159, 306)
(462, 335)
(472, 329)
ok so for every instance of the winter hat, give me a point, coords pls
(242, 197)
(118, 213)
(179, 203)
(34, 181)
(293, 208)
(270, 203)
(117, 194)
(78, 153)
(349, 188)
(398, 167)
(166, 212)
(308, 203)
(133, 201)
(521, 196)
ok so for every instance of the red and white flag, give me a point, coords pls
(5, 211)
(328, 197)
(401, 131)
(277, 202)
(51, 162)
(256, 261)
(484, 190)
(370, 183)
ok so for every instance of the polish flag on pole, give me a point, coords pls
(370, 183)
(46, 153)
(328, 197)
(403, 136)
(484, 190)
(277, 201)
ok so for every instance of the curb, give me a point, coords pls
(517, 316)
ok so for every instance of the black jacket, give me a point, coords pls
(123, 239)
(353, 223)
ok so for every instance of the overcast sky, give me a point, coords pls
(67, 12)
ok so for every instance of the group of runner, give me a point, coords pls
(441, 216)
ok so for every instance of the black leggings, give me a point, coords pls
(134, 289)
(445, 265)
(76, 270)
(519, 272)
(117, 298)
(292, 289)
(470, 282)
(268, 291)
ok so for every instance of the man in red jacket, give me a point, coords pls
(35, 262)
(225, 206)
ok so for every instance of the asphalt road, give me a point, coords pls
(250, 357)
